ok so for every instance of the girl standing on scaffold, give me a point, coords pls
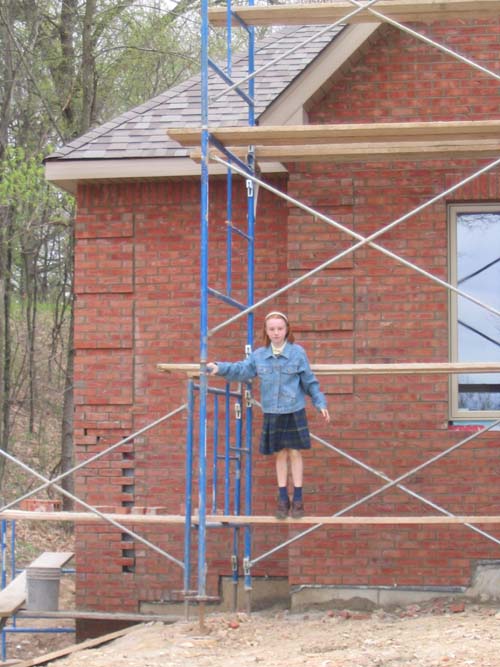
(285, 380)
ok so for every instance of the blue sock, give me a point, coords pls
(283, 493)
(297, 493)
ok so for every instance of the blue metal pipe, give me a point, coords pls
(221, 392)
(227, 468)
(188, 494)
(4, 553)
(12, 549)
(204, 221)
(215, 440)
(238, 449)
(251, 205)
(229, 154)
(213, 65)
(227, 299)
(42, 631)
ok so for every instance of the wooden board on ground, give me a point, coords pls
(89, 643)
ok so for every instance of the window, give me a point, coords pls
(475, 331)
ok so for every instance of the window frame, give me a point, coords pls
(455, 413)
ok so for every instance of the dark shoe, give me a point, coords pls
(282, 508)
(297, 509)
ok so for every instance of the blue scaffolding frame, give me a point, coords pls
(235, 165)
(241, 452)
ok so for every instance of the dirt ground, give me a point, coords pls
(435, 634)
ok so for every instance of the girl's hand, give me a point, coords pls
(212, 368)
(326, 415)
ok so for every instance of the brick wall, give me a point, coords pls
(372, 309)
(137, 289)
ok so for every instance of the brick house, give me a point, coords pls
(137, 292)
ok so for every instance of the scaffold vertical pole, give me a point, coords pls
(251, 209)
(188, 509)
(204, 219)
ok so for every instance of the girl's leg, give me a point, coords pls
(282, 479)
(282, 468)
(297, 466)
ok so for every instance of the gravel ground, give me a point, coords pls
(441, 633)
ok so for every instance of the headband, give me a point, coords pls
(276, 313)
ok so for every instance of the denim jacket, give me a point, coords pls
(284, 380)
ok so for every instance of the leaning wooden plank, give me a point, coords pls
(403, 11)
(368, 369)
(293, 135)
(89, 643)
(52, 559)
(13, 596)
(363, 152)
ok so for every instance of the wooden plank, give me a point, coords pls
(101, 616)
(363, 152)
(403, 11)
(89, 517)
(223, 519)
(54, 559)
(295, 135)
(68, 650)
(13, 596)
(368, 369)
(355, 520)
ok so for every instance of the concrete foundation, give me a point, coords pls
(268, 592)
(485, 583)
(364, 598)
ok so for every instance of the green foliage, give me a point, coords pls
(23, 188)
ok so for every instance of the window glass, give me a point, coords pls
(477, 329)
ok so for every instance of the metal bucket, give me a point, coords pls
(42, 588)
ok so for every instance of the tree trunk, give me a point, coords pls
(6, 334)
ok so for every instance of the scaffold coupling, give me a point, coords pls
(248, 398)
(246, 566)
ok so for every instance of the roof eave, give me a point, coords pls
(287, 108)
(67, 174)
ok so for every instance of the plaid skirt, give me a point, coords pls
(289, 431)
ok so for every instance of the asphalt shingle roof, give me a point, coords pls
(141, 132)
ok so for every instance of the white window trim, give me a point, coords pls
(454, 412)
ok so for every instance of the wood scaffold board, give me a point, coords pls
(226, 519)
(373, 152)
(353, 141)
(193, 370)
(296, 135)
(403, 11)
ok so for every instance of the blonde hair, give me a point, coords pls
(289, 333)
